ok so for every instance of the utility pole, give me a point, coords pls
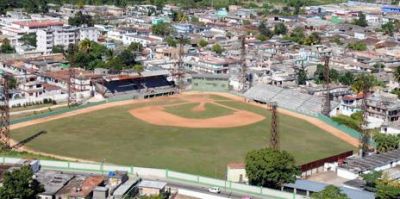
(274, 139)
(5, 112)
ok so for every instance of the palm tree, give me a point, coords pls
(85, 45)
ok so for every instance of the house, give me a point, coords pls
(80, 187)
(151, 188)
(52, 182)
(236, 172)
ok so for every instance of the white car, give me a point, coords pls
(214, 190)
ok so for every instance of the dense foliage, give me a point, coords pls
(331, 192)
(81, 19)
(270, 168)
(386, 142)
(29, 39)
(357, 46)
(20, 184)
(6, 47)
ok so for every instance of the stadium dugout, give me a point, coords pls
(147, 84)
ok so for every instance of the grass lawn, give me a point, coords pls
(116, 136)
(186, 110)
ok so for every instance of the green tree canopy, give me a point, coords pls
(20, 184)
(347, 78)
(6, 47)
(203, 43)
(302, 76)
(161, 29)
(81, 19)
(29, 39)
(330, 192)
(264, 30)
(388, 28)
(217, 49)
(280, 29)
(357, 46)
(270, 168)
(361, 20)
(386, 142)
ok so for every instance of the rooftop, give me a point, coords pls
(152, 184)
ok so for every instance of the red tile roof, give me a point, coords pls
(236, 165)
(39, 24)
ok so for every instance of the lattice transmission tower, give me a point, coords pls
(243, 72)
(326, 102)
(5, 112)
(274, 139)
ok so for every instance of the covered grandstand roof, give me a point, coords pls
(136, 75)
(371, 162)
(291, 99)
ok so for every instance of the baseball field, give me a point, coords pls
(193, 133)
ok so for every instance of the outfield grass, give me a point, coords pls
(186, 110)
(116, 136)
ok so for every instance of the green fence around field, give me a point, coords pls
(101, 168)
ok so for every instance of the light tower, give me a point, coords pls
(179, 65)
(4, 112)
(243, 73)
(326, 102)
(274, 139)
(71, 87)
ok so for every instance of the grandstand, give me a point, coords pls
(291, 99)
(147, 84)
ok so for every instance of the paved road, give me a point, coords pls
(203, 189)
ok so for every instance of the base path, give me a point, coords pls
(236, 119)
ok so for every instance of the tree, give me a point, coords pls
(135, 47)
(388, 28)
(138, 68)
(261, 37)
(85, 45)
(297, 35)
(203, 43)
(387, 189)
(347, 78)
(361, 21)
(29, 39)
(58, 49)
(161, 29)
(6, 47)
(371, 179)
(217, 49)
(280, 29)
(35, 6)
(270, 168)
(386, 142)
(313, 39)
(364, 82)
(81, 19)
(12, 82)
(396, 74)
(357, 46)
(171, 41)
(127, 58)
(302, 76)
(330, 192)
(378, 67)
(319, 74)
(20, 184)
(264, 30)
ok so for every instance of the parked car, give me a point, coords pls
(214, 190)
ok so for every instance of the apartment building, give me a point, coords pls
(64, 36)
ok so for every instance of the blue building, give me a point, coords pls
(183, 28)
(391, 9)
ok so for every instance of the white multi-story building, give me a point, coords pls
(90, 33)
(63, 36)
